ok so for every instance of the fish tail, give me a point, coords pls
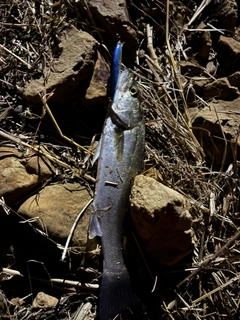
(116, 294)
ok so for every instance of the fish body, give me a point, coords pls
(120, 160)
(116, 67)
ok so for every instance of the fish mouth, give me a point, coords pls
(124, 79)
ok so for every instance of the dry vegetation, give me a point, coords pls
(206, 284)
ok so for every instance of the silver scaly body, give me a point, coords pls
(121, 154)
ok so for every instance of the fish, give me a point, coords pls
(121, 154)
(116, 67)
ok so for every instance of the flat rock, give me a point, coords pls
(210, 122)
(75, 63)
(19, 173)
(220, 89)
(162, 220)
(55, 209)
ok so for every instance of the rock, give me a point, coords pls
(44, 301)
(192, 113)
(162, 220)
(199, 83)
(190, 96)
(20, 174)
(190, 69)
(234, 79)
(113, 17)
(220, 89)
(228, 55)
(211, 68)
(8, 152)
(201, 42)
(55, 209)
(223, 14)
(206, 44)
(76, 63)
(97, 90)
(208, 130)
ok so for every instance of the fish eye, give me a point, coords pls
(134, 91)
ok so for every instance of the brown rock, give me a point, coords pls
(19, 175)
(223, 14)
(9, 151)
(44, 301)
(220, 89)
(206, 44)
(55, 208)
(234, 79)
(208, 131)
(97, 90)
(113, 17)
(76, 63)
(199, 83)
(162, 220)
(228, 53)
(201, 42)
(38, 166)
(190, 69)
(190, 95)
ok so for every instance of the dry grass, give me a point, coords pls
(210, 290)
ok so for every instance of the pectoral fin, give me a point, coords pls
(94, 227)
(97, 151)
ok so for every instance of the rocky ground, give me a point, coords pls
(181, 243)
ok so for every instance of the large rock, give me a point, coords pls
(113, 17)
(228, 55)
(20, 174)
(55, 209)
(222, 14)
(211, 124)
(75, 63)
(221, 89)
(162, 220)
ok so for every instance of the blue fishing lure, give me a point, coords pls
(116, 67)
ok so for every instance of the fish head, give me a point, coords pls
(126, 109)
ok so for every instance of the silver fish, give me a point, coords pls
(120, 160)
